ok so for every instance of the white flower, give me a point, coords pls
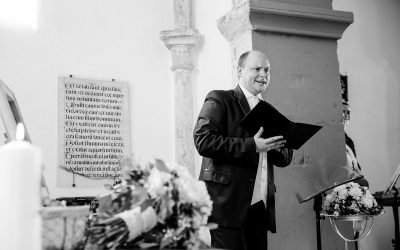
(368, 194)
(355, 192)
(191, 190)
(342, 194)
(353, 184)
(155, 183)
(337, 189)
(366, 201)
(197, 220)
(354, 207)
(329, 198)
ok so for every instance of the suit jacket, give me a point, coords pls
(230, 160)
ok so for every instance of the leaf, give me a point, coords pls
(139, 196)
(105, 204)
(165, 242)
(160, 165)
(212, 226)
(146, 245)
(146, 203)
(108, 186)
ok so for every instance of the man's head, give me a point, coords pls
(346, 114)
(254, 71)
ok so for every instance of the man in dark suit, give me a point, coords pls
(352, 165)
(237, 166)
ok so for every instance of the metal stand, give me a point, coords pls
(318, 209)
(318, 206)
(396, 241)
(364, 230)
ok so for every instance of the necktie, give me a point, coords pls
(260, 185)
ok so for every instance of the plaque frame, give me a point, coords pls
(10, 112)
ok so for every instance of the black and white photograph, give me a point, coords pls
(199, 124)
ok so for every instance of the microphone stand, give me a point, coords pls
(317, 207)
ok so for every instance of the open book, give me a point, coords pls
(274, 123)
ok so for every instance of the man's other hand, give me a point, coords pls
(264, 145)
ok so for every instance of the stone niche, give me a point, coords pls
(300, 39)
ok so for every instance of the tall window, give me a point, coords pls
(21, 13)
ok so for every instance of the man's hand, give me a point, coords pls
(264, 145)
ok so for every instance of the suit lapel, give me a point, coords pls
(241, 100)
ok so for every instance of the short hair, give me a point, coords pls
(243, 58)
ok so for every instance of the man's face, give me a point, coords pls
(254, 75)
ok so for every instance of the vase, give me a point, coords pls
(362, 225)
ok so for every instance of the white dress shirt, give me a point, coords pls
(260, 185)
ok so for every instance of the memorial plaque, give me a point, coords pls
(93, 131)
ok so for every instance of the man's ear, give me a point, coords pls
(239, 72)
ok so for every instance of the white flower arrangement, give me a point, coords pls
(351, 199)
(157, 206)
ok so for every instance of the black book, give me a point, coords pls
(274, 124)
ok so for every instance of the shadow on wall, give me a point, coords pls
(387, 49)
(391, 64)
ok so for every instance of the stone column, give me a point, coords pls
(300, 39)
(182, 41)
(236, 27)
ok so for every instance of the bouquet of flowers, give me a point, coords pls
(351, 199)
(156, 206)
